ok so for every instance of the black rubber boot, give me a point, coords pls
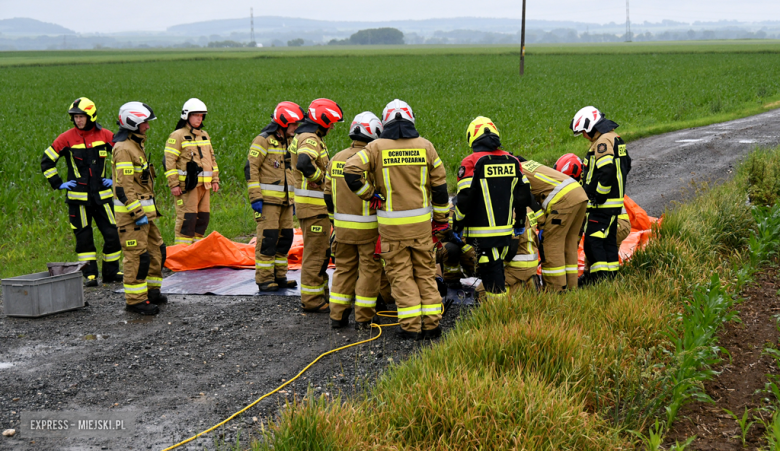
(144, 308)
(432, 334)
(157, 298)
(91, 281)
(407, 335)
(363, 326)
(323, 308)
(268, 286)
(111, 278)
(284, 283)
(343, 322)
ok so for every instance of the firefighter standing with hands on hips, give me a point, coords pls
(269, 178)
(85, 149)
(405, 175)
(559, 221)
(310, 160)
(493, 196)
(605, 169)
(144, 250)
(192, 172)
(357, 276)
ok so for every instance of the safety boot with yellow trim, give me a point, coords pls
(284, 283)
(118, 277)
(268, 286)
(91, 281)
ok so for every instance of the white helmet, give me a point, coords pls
(585, 119)
(193, 106)
(396, 108)
(367, 125)
(132, 114)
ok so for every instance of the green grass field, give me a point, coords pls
(647, 88)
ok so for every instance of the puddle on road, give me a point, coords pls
(689, 140)
(5, 365)
(747, 141)
(95, 337)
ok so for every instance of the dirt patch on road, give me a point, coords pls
(741, 378)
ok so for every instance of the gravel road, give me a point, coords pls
(205, 357)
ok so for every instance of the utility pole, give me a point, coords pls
(522, 43)
(252, 25)
(628, 24)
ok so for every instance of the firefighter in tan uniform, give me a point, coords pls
(142, 244)
(358, 274)
(604, 174)
(559, 221)
(310, 160)
(192, 172)
(493, 196)
(269, 178)
(521, 271)
(408, 178)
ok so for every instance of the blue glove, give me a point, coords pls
(540, 235)
(458, 236)
(69, 185)
(519, 231)
(257, 206)
(108, 183)
(142, 221)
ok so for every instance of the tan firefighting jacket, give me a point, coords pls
(133, 181)
(309, 192)
(410, 176)
(188, 144)
(353, 219)
(549, 187)
(268, 171)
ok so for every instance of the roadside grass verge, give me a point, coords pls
(575, 371)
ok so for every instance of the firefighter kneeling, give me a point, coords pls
(142, 244)
(492, 200)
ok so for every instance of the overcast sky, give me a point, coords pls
(85, 16)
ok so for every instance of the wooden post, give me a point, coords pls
(522, 43)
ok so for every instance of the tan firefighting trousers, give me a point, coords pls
(274, 238)
(560, 240)
(384, 288)
(411, 269)
(356, 280)
(142, 263)
(520, 271)
(623, 229)
(192, 215)
(316, 253)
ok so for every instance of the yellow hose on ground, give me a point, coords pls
(379, 326)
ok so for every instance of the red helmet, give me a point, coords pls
(570, 165)
(287, 113)
(325, 112)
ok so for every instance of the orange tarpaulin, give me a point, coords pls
(215, 250)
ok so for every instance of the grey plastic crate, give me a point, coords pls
(39, 294)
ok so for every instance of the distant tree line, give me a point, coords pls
(372, 36)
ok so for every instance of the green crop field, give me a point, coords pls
(645, 88)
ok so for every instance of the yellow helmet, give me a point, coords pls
(84, 106)
(477, 128)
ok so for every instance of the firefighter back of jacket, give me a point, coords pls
(354, 221)
(549, 186)
(490, 220)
